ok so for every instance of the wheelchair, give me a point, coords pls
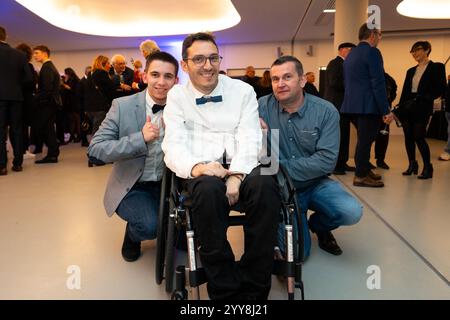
(175, 231)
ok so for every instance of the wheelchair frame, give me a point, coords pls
(175, 219)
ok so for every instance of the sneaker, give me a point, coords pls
(445, 156)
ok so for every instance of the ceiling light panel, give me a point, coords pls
(135, 18)
(425, 9)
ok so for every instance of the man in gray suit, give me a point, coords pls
(131, 136)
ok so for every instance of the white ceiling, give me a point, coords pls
(262, 21)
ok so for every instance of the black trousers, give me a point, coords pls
(46, 128)
(381, 141)
(260, 200)
(344, 124)
(11, 110)
(415, 130)
(367, 126)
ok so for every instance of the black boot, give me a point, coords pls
(427, 172)
(412, 168)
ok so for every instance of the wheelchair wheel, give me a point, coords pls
(169, 267)
(162, 227)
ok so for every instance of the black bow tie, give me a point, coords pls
(206, 99)
(157, 107)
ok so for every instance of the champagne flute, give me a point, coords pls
(384, 131)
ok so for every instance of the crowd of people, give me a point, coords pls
(209, 133)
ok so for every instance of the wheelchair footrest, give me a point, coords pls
(197, 277)
(284, 268)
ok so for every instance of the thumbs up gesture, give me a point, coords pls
(150, 131)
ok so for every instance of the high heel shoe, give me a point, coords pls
(427, 172)
(412, 168)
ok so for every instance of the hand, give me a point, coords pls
(125, 87)
(264, 125)
(233, 184)
(135, 86)
(388, 118)
(209, 169)
(150, 131)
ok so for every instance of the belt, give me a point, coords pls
(148, 184)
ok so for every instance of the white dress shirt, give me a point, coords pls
(154, 164)
(201, 133)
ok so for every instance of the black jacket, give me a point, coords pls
(334, 82)
(48, 85)
(431, 86)
(14, 73)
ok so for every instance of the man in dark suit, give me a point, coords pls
(309, 85)
(365, 99)
(14, 75)
(121, 75)
(334, 92)
(48, 101)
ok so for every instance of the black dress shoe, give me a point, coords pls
(371, 166)
(131, 251)
(339, 171)
(328, 243)
(17, 168)
(383, 165)
(3, 172)
(47, 160)
(349, 168)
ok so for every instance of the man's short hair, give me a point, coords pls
(26, 49)
(283, 59)
(149, 45)
(199, 36)
(161, 56)
(43, 49)
(346, 45)
(117, 57)
(2, 34)
(365, 32)
(425, 45)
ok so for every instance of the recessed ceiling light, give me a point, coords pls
(329, 10)
(425, 9)
(135, 18)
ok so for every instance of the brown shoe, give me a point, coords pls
(367, 182)
(374, 176)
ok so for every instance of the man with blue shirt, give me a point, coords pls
(131, 137)
(308, 149)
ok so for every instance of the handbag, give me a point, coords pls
(404, 108)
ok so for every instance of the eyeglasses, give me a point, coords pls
(200, 60)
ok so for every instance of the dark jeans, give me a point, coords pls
(260, 200)
(367, 126)
(11, 110)
(140, 209)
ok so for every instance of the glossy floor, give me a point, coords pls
(53, 226)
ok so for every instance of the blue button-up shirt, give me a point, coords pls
(308, 138)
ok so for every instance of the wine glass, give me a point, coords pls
(384, 131)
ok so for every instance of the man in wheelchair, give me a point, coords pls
(131, 136)
(210, 119)
(308, 129)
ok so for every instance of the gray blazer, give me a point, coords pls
(119, 139)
